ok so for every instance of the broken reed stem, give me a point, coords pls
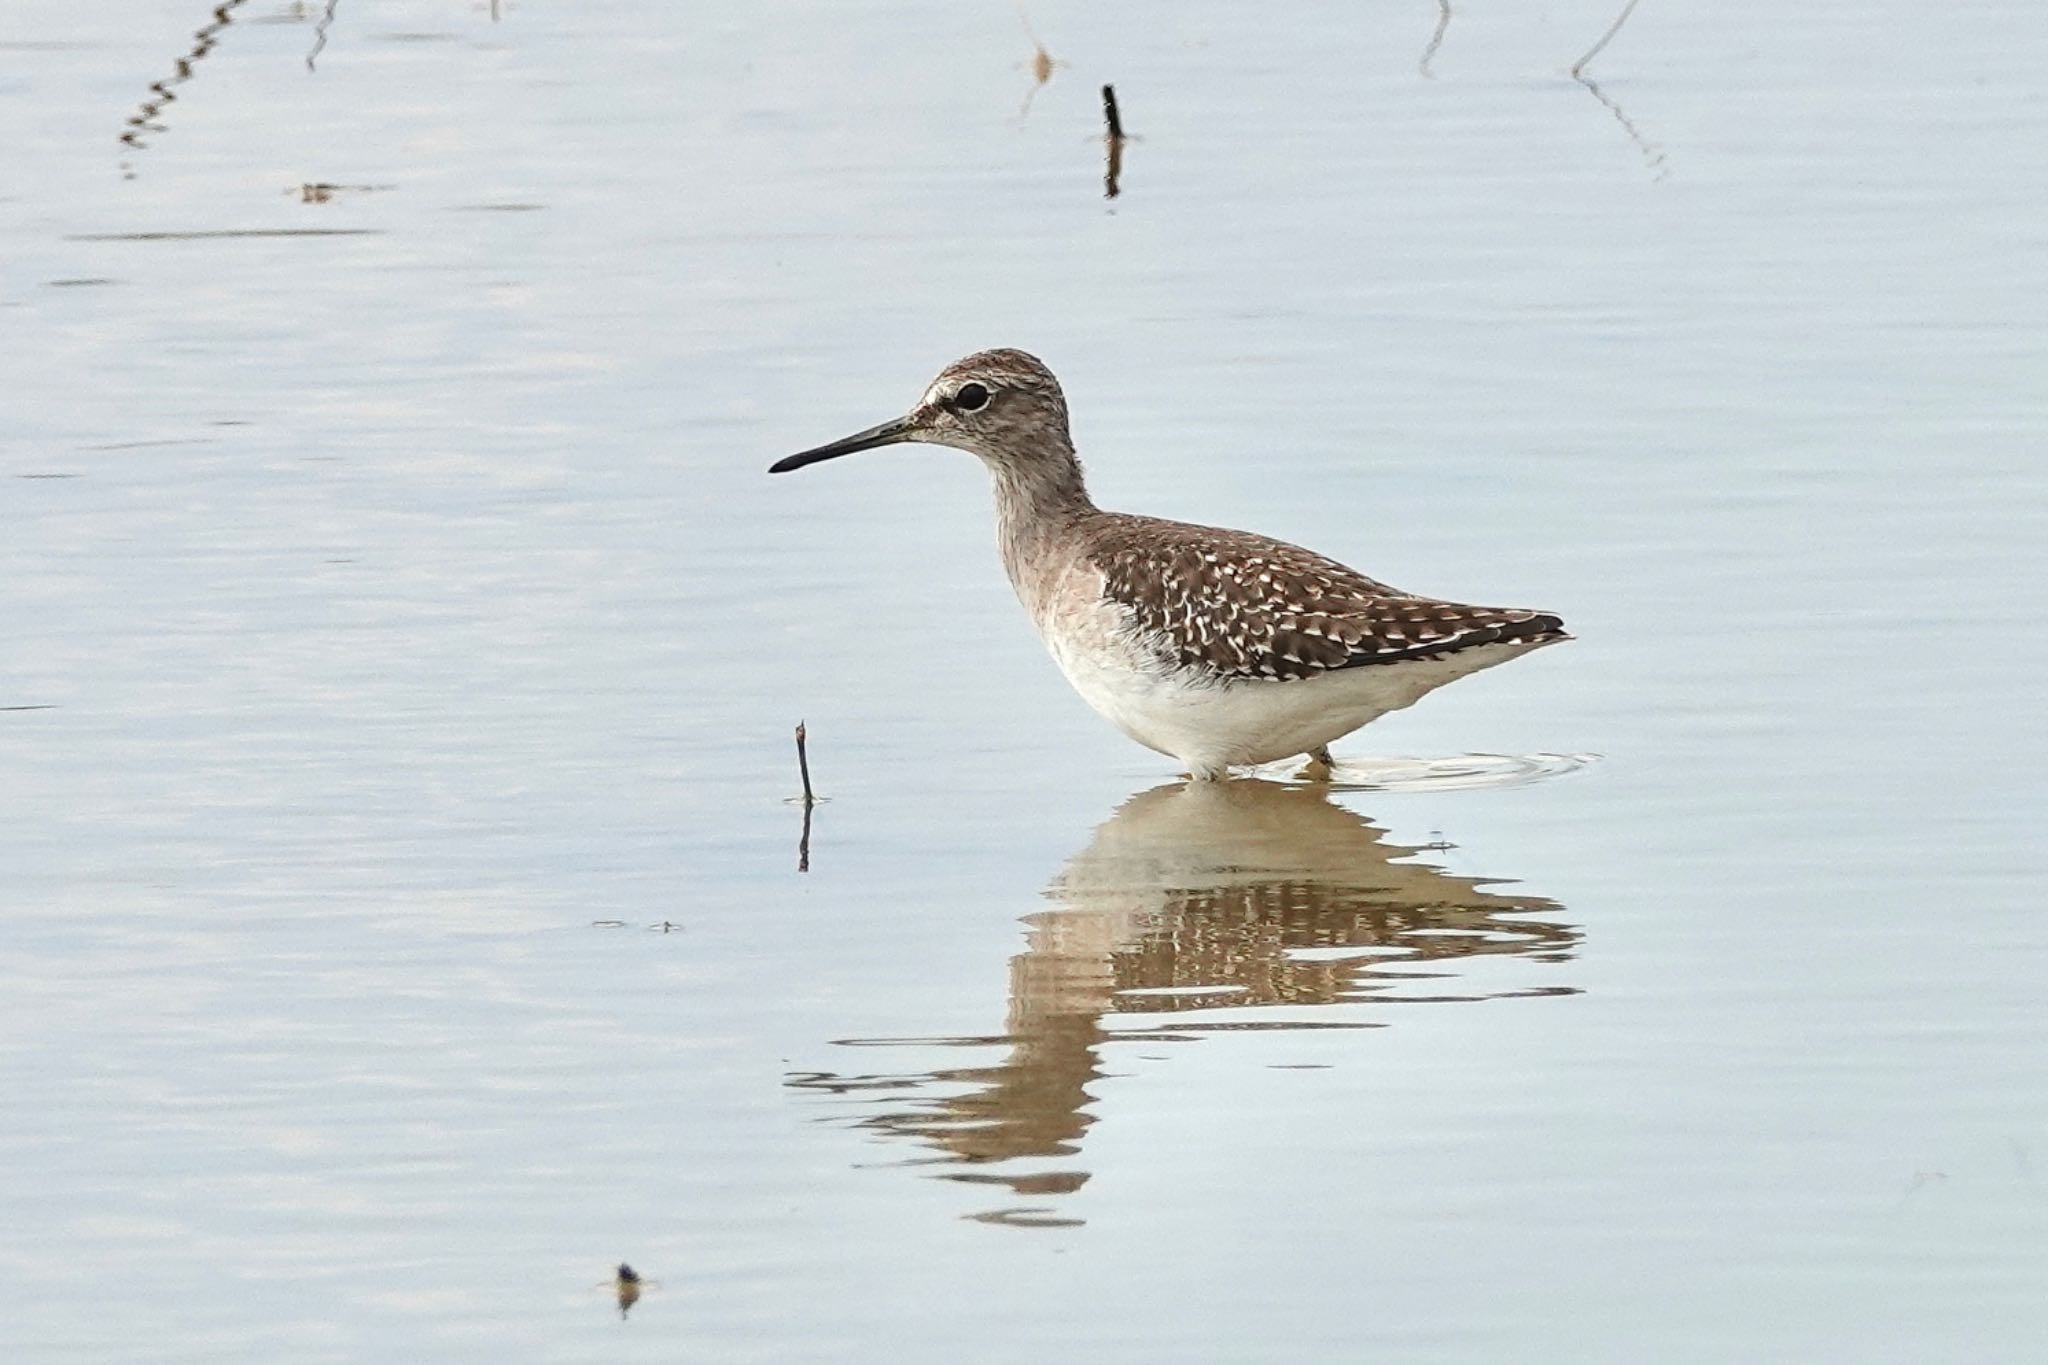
(803, 766)
(1109, 114)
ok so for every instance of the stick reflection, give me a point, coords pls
(320, 28)
(1652, 154)
(164, 92)
(1436, 38)
(1228, 905)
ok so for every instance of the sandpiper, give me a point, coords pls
(1219, 648)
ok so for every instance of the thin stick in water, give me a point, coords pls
(803, 766)
(1109, 114)
(1114, 141)
(1605, 38)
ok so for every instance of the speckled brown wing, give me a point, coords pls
(1248, 607)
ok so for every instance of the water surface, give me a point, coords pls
(401, 920)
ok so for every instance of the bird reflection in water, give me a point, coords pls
(1225, 905)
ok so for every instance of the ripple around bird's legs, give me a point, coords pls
(1457, 773)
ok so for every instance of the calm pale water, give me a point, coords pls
(400, 641)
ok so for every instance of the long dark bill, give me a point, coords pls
(887, 434)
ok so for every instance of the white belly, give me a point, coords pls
(1211, 725)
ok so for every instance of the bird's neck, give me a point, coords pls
(1035, 505)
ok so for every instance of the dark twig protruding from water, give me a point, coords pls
(1436, 39)
(803, 767)
(1114, 140)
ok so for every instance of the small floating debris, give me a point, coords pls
(626, 1286)
(323, 191)
(1041, 65)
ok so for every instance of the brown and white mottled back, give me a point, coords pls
(1250, 608)
(1218, 647)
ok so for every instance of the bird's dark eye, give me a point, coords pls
(970, 398)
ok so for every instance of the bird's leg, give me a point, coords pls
(1320, 766)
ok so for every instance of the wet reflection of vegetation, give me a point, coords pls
(320, 28)
(164, 92)
(1216, 906)
(1652, 153)
(1436, 38)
